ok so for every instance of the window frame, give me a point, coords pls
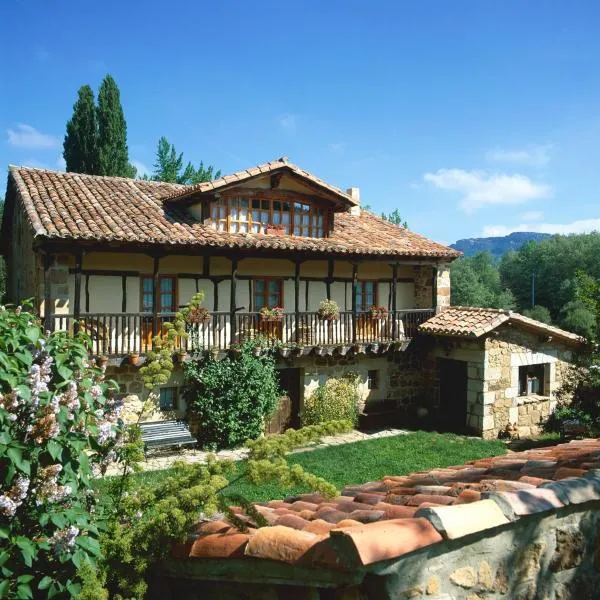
(266, 281)
(220, 211)
(524, 371)
(373, 379)
(175, 391)
(175, 280)
(362, 282)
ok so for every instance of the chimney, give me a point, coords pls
(354, 193)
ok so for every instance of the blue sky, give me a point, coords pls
(473, 118)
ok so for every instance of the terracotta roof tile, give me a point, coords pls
(469, 321)
(353, 530)
(73, 206)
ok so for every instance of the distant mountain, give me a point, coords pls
(497, 246)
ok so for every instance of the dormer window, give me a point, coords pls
(263, 215)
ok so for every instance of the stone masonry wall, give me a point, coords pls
(511, 349)
(548, 556)
(423, 277)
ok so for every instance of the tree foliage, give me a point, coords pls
(336, 399)
(81, 140)
(96, 138)
(58, 426)
(169, 167)
(476, 282)
(232, 397)
(395, 217)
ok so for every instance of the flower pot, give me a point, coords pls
(297, 351)
(134, 358)
(343, 350)
(257, 351)
(285, 352)
(102, 361)
(214, 353)
(306, 350)
(180, 356)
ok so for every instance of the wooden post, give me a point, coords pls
(156, 296)
(232, 303)
(434, 302)
(77, 294)
(297, 300)
(394, 307)
(354, 307)
(47, 263)
(329, 277)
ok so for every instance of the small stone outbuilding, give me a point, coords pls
(496, 367)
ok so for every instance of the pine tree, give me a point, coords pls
(169, 167)
(80, 147)
(112, 132)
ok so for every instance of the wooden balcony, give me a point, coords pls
(120, 334)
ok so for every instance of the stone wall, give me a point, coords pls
(505, 353)
(547, 556)
(424, 278)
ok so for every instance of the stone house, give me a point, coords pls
(118, 257)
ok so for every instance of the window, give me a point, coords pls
(267, 292)
(168, 398)
(167, 298)
(372, 379)
(531, 380)
(255, 215)
(366, 295)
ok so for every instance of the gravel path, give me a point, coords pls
(160, 461)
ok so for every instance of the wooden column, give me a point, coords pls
(232, 303)
(156, 296)
(434, 302)
(354, 307)
(297, 300)
(394, 307)
(48, 259)
(77, 293)
(329, 277)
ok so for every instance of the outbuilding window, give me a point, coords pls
(531, 380)
(168, 398)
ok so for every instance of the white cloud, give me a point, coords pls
(536, 156)
(142, 169)
(580, 226)
(337, 148)
(532, 215)
(288, 122)
(26, 136)
(480, 188)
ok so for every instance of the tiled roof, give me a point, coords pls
(241, 176)
(71, 206)
(386, 519)
(469, 321)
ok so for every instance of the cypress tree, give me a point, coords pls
(80, 147)
(112, 132)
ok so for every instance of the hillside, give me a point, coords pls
(497, 246)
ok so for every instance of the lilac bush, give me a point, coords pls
(59, 425)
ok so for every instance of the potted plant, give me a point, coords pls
(197, 315)
(102, 361)
(272, 229)
(378, 312)
(328, 310)
(214, 353)
(134, 358)
(180, 354)
(285, 351)
(271, 314)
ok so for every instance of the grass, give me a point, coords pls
(368, 460)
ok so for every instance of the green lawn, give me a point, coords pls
(370, 460)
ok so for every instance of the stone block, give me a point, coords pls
(463, 519)
(464, 577)
(488, 422)
(510, 392)
(513, 415)
(488, 397)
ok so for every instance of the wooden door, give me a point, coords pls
(452, 376)
(287, 414)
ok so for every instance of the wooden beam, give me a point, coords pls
(297, 301)
(77, 293)
(87, 293)
(393, 291)
(47, 260)
(434, 275)
(156, 295)
(354, 307)
(232, 299)
(329, 277)
(124, 293)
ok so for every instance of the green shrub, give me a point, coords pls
(338, 399)
(232, 397)
(58, 425)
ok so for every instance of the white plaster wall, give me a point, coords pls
(106, 294)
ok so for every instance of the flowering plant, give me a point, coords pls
(59, 424)
(378, 312)
(271, 314)
(197, 315)
(329, 310)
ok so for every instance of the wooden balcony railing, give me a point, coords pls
(120, 334)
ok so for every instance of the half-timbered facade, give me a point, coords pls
(119, 257)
